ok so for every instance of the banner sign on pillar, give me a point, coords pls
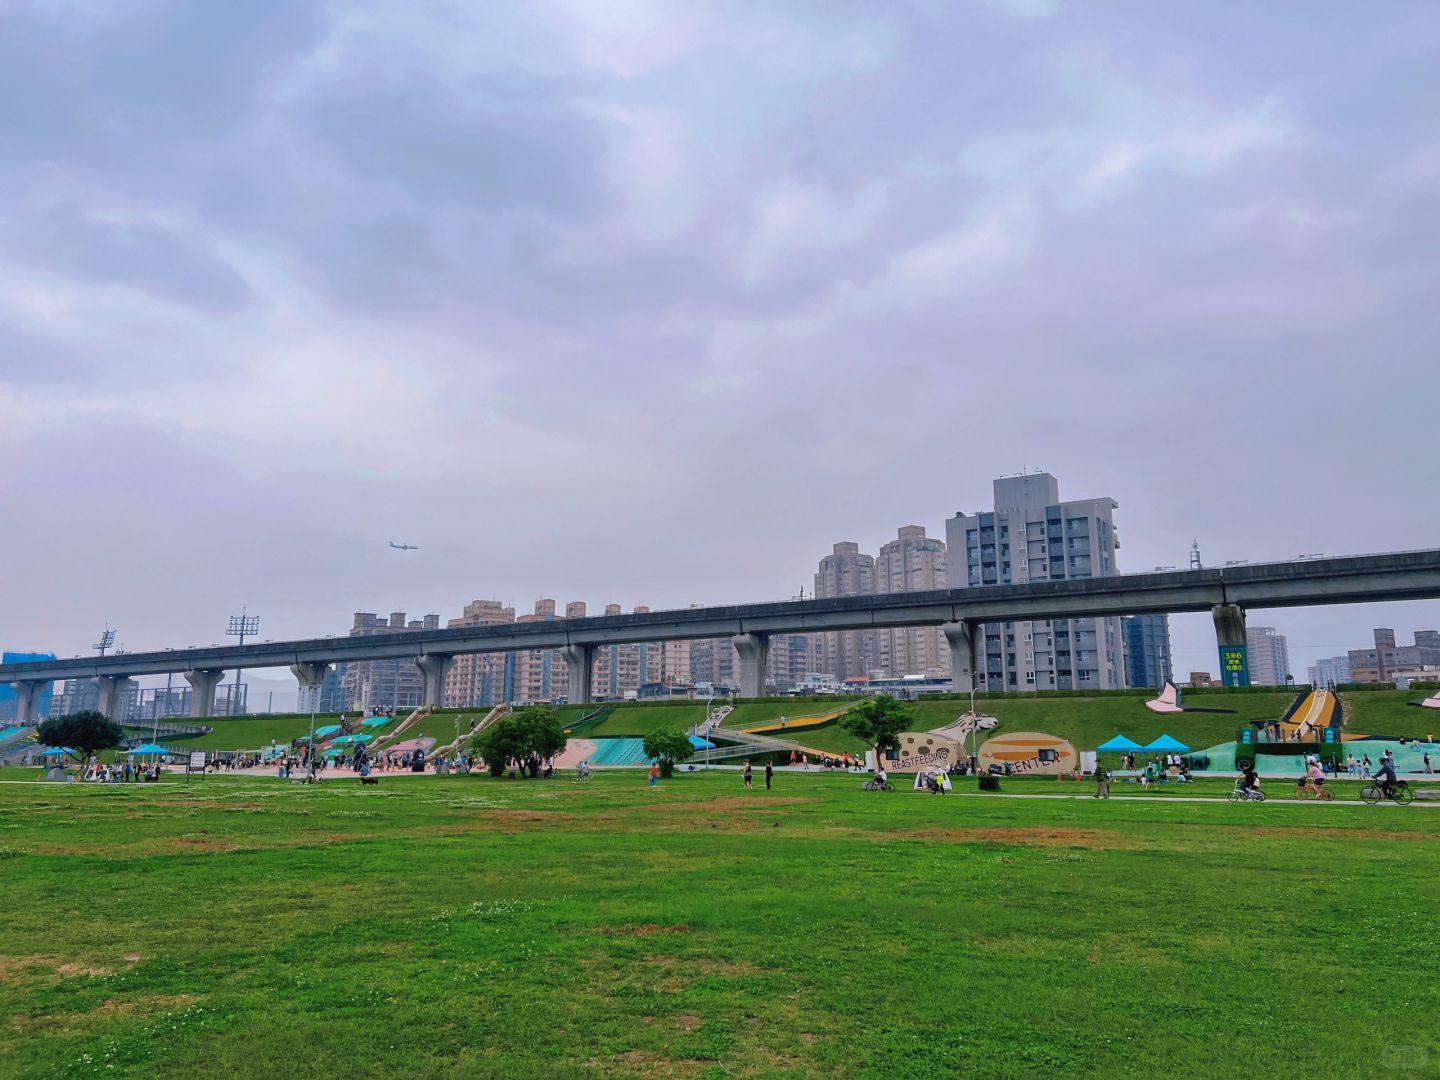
(1235, 665)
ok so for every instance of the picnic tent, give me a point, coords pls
(1118, 745)
(60, 750)
(1166, 744)
(149, 748)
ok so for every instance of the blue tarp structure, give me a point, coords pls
(1118, 745)
(376, 721)
(321, 732)
(1168, 745)
(149, 748)
(346, 740)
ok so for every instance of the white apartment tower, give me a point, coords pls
(912, 562)
(847, 571)
(1032, 536)
(1269, 653)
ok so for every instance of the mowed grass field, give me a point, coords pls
(473, 927)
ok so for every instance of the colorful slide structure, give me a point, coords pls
(798, 723)
(1313, 714)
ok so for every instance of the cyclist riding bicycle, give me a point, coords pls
(1249, 779)
(1386, 776)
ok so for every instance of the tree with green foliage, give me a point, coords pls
(86, 731)
(879, 721)
(530, 735)
(670, 747)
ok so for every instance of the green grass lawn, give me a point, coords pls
(1388, 712)
(1084, 721)
(251, 732)
(640, 721)
(473, 927)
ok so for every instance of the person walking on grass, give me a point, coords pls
(1102, 781)
(654, 775)
(746, 775)
(769, 772)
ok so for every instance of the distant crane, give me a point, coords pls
(404, 547)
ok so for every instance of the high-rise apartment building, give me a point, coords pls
(371, 684)
(714, 662)
(912, 562)
(1380, 663)
(1032, 536)
(1330, 671)
(1269, 654)
(540, 674)
(480, 679)
(1147, 650)
(847, 571)
(794, 657)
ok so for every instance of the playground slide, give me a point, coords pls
(387, 741)
(797, 723)
(1312, 715)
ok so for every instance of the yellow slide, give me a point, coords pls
(797, 723)
(1312, 717)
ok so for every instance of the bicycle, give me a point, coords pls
(876, 785)
(1240, 794)
(1374, 794)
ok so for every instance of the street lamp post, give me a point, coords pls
(974, 760)
(706, 733)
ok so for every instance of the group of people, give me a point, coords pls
(120, 772)
(845, 762)
(747, 774)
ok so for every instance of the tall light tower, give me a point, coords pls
(241, 626)
(107, 639)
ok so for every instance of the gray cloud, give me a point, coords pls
(654, 305)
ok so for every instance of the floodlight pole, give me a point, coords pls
(241, 626)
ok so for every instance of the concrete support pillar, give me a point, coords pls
(202, 690)
(961, 636)
(113, 692)
(1234, 650)
(434, 667)
(579, 663)
(310, 677)
(754, 650)
(27, 700)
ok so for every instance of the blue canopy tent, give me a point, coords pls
(148, 748)
(1118, 745)
(61, 750)
(1165, 744)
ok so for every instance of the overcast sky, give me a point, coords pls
(652, 302)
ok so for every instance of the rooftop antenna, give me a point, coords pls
(107, 639)
(1195, 563)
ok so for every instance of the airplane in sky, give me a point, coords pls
(404, 547)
